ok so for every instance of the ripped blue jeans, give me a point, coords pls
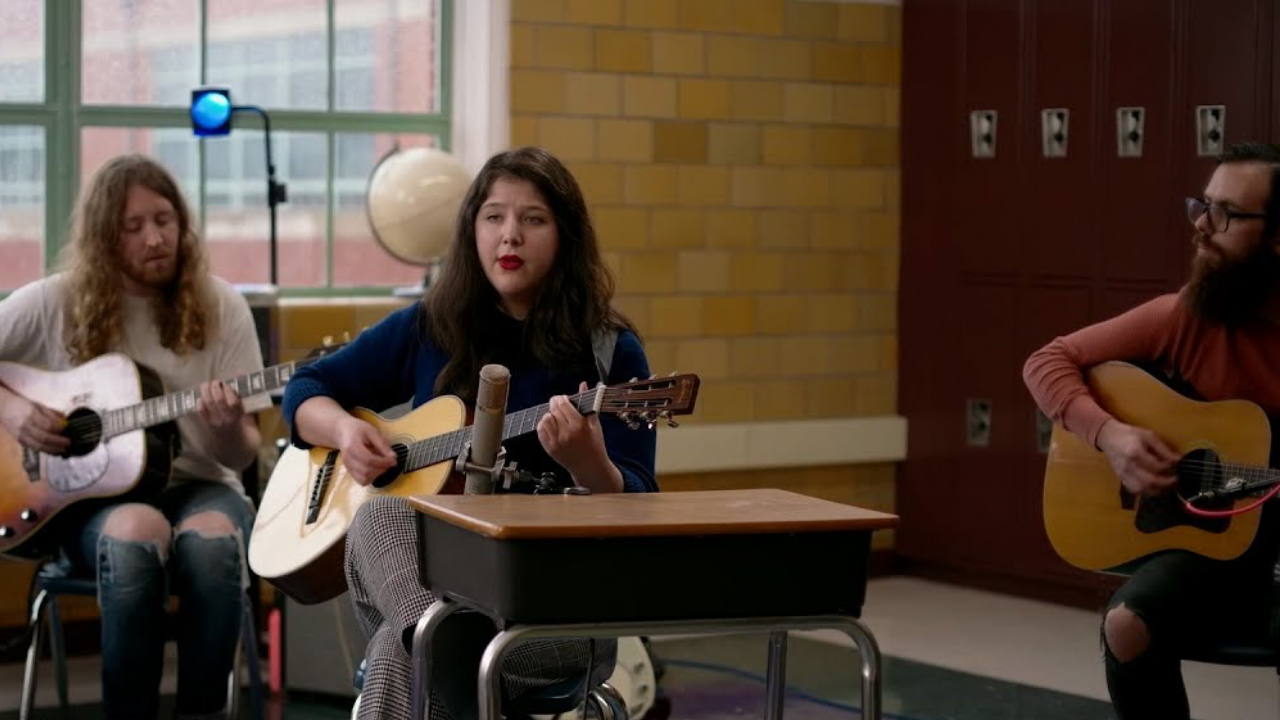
(135, 580)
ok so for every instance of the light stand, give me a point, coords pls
(211, 113)
(276, 191)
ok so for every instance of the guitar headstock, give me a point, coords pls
(647, 401)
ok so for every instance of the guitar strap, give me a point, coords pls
(602, 344)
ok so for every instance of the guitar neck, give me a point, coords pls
(450, 445)
(1256, 478)
(163, 408)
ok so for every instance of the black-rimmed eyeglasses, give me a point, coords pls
(1219, 217)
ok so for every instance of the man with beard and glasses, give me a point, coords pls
(135, 281)
(1219, 336)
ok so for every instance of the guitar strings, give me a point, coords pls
(422, 451)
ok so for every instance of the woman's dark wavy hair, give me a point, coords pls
(572, 304)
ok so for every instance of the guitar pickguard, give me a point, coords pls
(1166, 511)
(74, 474)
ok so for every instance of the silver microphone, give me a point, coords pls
(486, 431)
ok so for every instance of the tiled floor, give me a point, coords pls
(952, 653)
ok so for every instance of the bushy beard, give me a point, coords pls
(1233, 291)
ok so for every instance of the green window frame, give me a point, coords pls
(63, 117)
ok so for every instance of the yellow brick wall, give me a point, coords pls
(740, 158)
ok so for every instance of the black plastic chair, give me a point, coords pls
(56, 579)
(1240, 654)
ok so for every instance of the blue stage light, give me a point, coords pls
(211, 111)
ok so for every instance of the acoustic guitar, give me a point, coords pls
(1095, 524)
(299, 535)
(119, 422)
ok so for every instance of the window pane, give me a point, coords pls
(272, 53)
(393, 48)
(21, 205)
(238, 219)
(22, 51)
(358, 259)
(140, 53)
(175, 148)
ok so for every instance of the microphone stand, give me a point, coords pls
(276, 191)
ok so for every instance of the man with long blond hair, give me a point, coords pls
(135, 281)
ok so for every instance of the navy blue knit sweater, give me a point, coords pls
(395, 361)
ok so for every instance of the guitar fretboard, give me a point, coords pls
(450, 445)
(164, 408)
(1255, 477)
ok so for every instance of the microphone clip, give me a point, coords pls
(500, 474)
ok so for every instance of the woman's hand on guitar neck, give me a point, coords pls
(577, 443)
(1145, 464)
(32, 424)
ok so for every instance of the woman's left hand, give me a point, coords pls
(574, 440)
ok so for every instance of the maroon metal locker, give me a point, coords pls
(934, 139)
(1089, 235)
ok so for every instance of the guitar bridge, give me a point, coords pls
(321, 485)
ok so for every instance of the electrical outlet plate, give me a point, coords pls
(1130, 131)
(1211, 130)
(982, 133)
(1054, 128)
(977, 422)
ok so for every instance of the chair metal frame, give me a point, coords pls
(51, 582)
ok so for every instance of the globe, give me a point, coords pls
(413, 201)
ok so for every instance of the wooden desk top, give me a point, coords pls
(716, 512)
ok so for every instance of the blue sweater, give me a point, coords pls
(395, 360)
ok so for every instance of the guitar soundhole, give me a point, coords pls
(1197, 470)
(388, 477)
(84, 429)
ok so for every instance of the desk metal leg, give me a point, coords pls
(489, 684)
(776, 677)
(420, 696)
(869, 654)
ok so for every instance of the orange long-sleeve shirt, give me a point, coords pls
(1219, 364)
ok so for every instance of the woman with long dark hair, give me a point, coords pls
(523, 286)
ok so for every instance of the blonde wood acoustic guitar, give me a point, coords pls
(299, 534)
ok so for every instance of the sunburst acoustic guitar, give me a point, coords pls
(298, 536)
(1095, 524)
(119, 424)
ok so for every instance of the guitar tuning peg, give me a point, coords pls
(346, 336)
(327, 340)
(653, 376)
(633, 379)
(666, 415)
(673, 373)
